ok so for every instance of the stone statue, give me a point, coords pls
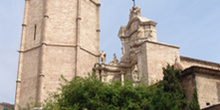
(103, 57)
(114, 61)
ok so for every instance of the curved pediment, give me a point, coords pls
(141, 20)
(138, 27)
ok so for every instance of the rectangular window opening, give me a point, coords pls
(207, 104)
(35, 29)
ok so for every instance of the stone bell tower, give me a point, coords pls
(59, 37)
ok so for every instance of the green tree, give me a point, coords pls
(172, 87)
(194, 104)
(89, 93)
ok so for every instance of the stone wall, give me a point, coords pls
(207, 82)
(208, 89)
(60, 25)
(57, 61)
(158, 56)
(85, 63)
(29, 77)
(89, 27)
(34, 14)
(189, 84)
(29, 53)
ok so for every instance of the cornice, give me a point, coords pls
(96, 2)
(59, 45)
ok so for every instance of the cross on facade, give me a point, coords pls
(133, 2)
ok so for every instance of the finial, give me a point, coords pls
(135, 11)
(133, 2)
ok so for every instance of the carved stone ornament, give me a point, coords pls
(135, 12)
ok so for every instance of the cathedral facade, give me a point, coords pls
(143, 58)
(62, 38)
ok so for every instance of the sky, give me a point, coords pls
(193, 25)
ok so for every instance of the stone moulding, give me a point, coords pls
(199, 61)
(200, 70)
(158, 43)
(59, 45)
(109, 68)
(86, 50)
(142, 21)
(96, 2)
(163, 44)
(23, 25)
(18, 81)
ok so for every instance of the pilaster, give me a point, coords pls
(20, 64)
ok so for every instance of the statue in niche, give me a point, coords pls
(114, 61)
(103, 57)
(140, 32)
(135, 74)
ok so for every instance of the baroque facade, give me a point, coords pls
(62, 38)
(144, 57)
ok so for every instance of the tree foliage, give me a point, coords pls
(171, 84)
(89, 93)
(194, 104)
